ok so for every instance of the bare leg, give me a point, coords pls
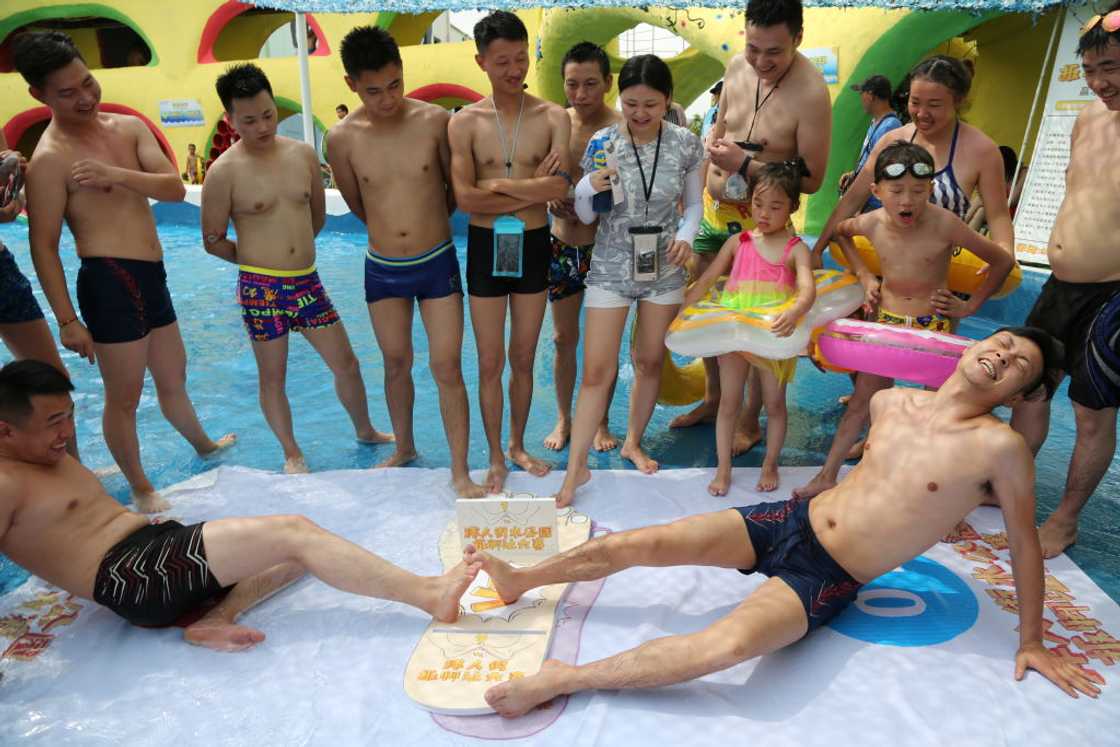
(565, 325)
(526, 315)
(733, 369)
(769, 619)
(218, 628)
(602, 341)
(1032, 421)
(748, 432)
(167, 360)
(488, 319)
(649, 342)
(443, 321)
(33, 341)
(707, 410)
(847, 433)
(774, 395)
(1092, 453)
(392, 327)
(238, 549)
(272, 376)
(332, 344)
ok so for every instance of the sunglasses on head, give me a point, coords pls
(917, 170)
(1110, 22)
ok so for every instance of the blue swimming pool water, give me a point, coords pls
(222, 383)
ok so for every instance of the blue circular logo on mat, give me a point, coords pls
(920, 604)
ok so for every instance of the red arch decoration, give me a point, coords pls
(225, 13)
(445, 91)
(18, 125)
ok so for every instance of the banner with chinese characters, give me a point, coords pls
(827, 60)
(1045, 187)
(512, 527)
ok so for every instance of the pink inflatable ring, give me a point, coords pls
(916, 355)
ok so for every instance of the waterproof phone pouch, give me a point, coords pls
(509, 246)
(644, 241)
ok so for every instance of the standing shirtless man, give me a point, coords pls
(817, 554)
(97, 172)
(509, 154)
(270, 186)
(587, 79)
(393, 167)
(775, 101)
(1084, 281)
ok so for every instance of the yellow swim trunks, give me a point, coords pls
(721, 221)
(933, 322)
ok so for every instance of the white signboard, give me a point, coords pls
(518, 527)
(181, 113)
(1045, 187)
(827, 61)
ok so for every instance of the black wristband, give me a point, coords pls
(746, 165)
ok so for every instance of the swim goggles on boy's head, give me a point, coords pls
(918, 170)
(1110, 22)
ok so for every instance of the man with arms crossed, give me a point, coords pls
(58, 522)
(775, 101)
(587, 79)
(270, 185)
(97, 171)
(1085, 279)
(509, 153)
(392, 165)
(818, 553)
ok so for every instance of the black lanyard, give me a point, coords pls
(648, 189)
(759, 104)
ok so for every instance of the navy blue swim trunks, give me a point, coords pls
(17, 302)
(156, 575)
(1101, 360)
(787, 548)
(123, 300)
(433, 274)
(567, 274)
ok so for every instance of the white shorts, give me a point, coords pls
(596, 297)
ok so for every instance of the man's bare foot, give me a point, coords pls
(720, 483)
(1056, 534)
(517, 697)
(558, 439)
(501, 573)
(816, 486)
(744, 441)
(496, 477)
(639, 458)
(768, 480)
(528, 462)
(705, 412)
(398, 458)
(856, 452)
(465, 487)
(220, 635)
(374, 436)
(449, 588)
(149, 503)
(214, 447)
(604, 439)
(572, 482)
(295, 466)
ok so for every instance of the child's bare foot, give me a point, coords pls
(501, 573)
(518, 697)
(768, 480)
(528, 462)
(221, 635)
(295, 466)
(572, 481)
(856, 452)
(743, 441)
(1056, 534)
(496, 477)
(398, 458)
(373, 436)
(558, 439)
(465, 487)
(149, 502)
(449, 588)
(604, 439)
(720, 483)
(639, 458)
(214, 447)
(817, 485)
(705, 412)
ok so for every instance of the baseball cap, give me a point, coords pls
(877, 85)
(716, 89)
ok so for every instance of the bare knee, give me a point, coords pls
(123, 401)
(648, 365)
(446, 372)
(348, 366)
(521, 360)
(565, 340)
(397, 365)
(599, 375)
(490, 365)
(1092, 425)
(293, 531)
